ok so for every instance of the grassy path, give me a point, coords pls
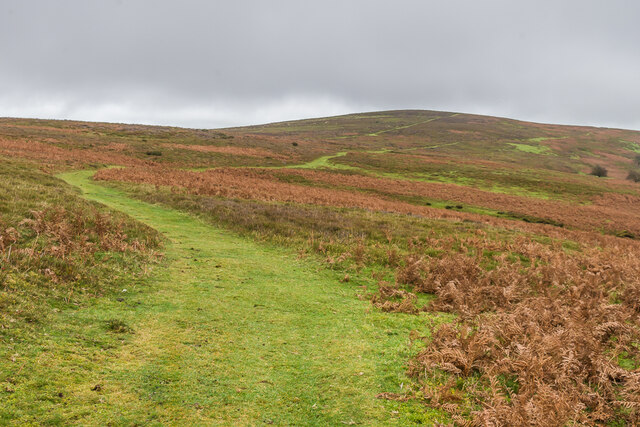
(228, 332)
(324, 162)
(407, 126)
(410, 125)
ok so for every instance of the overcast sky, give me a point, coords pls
(225, 63)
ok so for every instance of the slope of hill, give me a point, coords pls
(498, 223)
(455, 137)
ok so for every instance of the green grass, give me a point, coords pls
(229, 332)
(323, 162)
(533, 149)
(633, 146)
(543, 138)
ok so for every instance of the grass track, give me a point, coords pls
(228, 332)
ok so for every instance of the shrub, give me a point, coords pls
(154, 153)
(599, 171)
(636, 160)
(634, 176)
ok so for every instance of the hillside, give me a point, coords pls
(501, 273)
(451, 136)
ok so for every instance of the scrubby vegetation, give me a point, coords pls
(542, 336)
(520, 298)
(599, 171)
(430, 200)
(57, 249)
(634, 176)
(533, 257)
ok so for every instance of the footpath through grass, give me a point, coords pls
(229, 331)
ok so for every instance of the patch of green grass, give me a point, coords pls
(544, 138)
(633, 146)
(625, 362)
(533, 149)
(322, 162)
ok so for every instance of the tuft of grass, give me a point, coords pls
(118, 326)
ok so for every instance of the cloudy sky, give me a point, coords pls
(222, 63)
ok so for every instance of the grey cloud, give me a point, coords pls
(221, 63)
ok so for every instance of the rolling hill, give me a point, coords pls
(484, 269)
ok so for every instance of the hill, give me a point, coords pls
(497, 236)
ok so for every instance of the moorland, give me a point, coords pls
(386, 268)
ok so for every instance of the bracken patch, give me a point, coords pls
(535, 343)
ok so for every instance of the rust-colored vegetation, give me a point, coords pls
(608, 211)
(49, 154)
(543, 336)
(254, 185)
(237, 151)
(56, 248)
(614, 213)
